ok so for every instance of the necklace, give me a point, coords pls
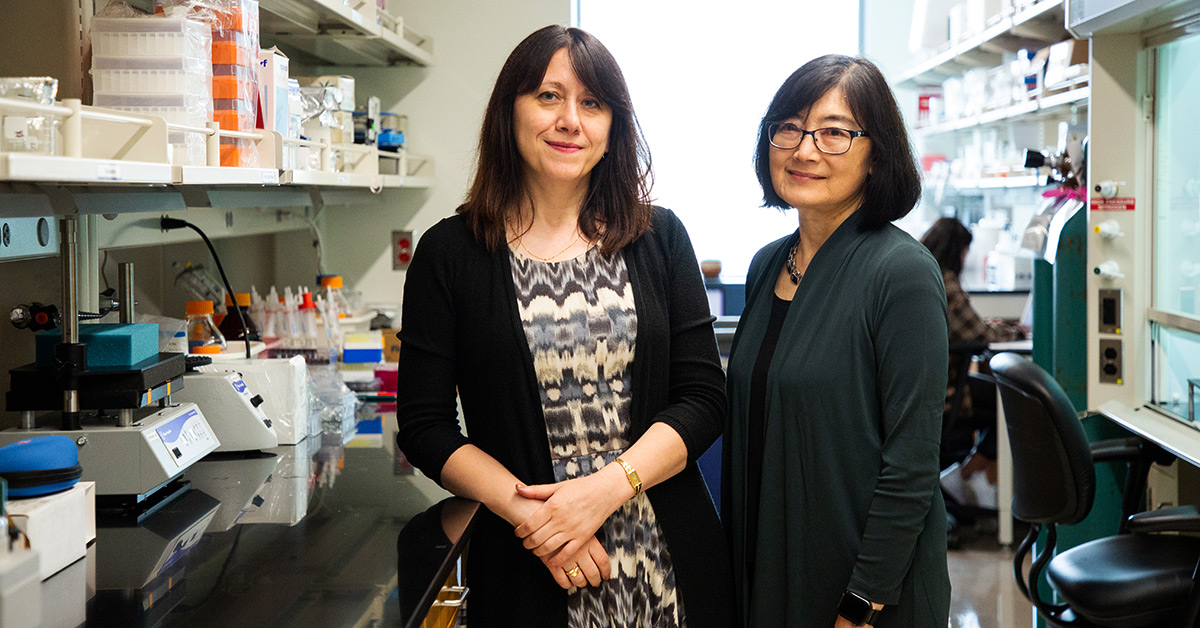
(791, 265)
(521, 242)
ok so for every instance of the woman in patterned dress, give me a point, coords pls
(570, 317)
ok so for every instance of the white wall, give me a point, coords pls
(444, 105)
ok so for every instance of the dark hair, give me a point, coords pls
(947, 239)
(894, 187)
(616, 210)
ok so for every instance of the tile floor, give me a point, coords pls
(984, 594)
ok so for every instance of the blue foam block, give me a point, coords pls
(110, 345)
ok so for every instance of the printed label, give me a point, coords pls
(1120, 204)
(16, 128)
(108, 172)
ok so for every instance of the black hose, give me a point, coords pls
(175, 223)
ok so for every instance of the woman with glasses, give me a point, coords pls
(569, 318)
(837, 373)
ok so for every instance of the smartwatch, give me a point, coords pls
(856, 609)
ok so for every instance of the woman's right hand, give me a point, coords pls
(593, 562)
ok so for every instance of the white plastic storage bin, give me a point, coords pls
(155, 37)
(150, 75)
(187, 149)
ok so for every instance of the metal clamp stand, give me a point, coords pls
(125, 295)
(70, 356)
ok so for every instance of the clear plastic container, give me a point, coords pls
(161, 36)
(22, 131)
(203, 335)
(150, 75)
(187, 149)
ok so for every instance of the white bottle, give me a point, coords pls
(272, 326)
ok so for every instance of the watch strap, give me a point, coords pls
(857, 609)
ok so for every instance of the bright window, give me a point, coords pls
(1177, 184)
(701, 77)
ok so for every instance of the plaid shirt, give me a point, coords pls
(966, 326)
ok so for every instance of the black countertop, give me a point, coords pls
(304, 535)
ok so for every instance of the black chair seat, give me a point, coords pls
(1131, 581)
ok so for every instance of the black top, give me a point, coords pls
(849, 493)
(758, 404)
(461, 332)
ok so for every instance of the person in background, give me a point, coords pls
(973, 481)
(837, 373)
(570, 317)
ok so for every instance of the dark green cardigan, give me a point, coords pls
(462, 330)
(850, 495)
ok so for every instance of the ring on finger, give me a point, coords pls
(572, 572)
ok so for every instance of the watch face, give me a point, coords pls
(854, 608)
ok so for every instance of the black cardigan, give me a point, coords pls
(461, 330)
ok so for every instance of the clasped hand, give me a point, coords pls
(562, 531)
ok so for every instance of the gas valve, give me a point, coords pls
(35, 316)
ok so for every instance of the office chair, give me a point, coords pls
(954, 449)
(1131, 580)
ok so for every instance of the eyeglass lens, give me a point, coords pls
(829, 140)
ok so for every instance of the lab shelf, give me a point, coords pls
(401, 181)
(1033, 26)
(1046, 104)
(996, 183)
(23, 167)
(331, 179)
(332, 32)
(217, 175)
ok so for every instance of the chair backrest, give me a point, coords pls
(1054, 480)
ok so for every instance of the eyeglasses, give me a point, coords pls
(829, 140)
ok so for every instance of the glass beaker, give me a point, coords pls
(203, 335)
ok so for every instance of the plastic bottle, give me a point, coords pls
(308, 318)
(203, 335)
(273, 321)
(329, 318)
(258, 309)
(231, 325)
(333, 290)
(291, 316)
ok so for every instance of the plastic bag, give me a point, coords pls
(235, 43)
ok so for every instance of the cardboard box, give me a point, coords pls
(273, 89)
(59, 526)
(391, 345)
(1066, 61)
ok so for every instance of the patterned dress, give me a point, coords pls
(580, 321)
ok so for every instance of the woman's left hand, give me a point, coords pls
(572, 512)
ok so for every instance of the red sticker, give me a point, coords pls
(1121, 204)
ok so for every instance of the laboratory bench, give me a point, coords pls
(303, 535)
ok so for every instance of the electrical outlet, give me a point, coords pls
(1110, 362)
(403, 244)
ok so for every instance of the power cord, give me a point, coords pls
(167, 223)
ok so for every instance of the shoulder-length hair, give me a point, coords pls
(616, 210)
(947, 238)
(894, 186)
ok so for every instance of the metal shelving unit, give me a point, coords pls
(1033, 26)
(328, 32)
(1043, 105)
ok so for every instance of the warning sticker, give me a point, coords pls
(1120, 204)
